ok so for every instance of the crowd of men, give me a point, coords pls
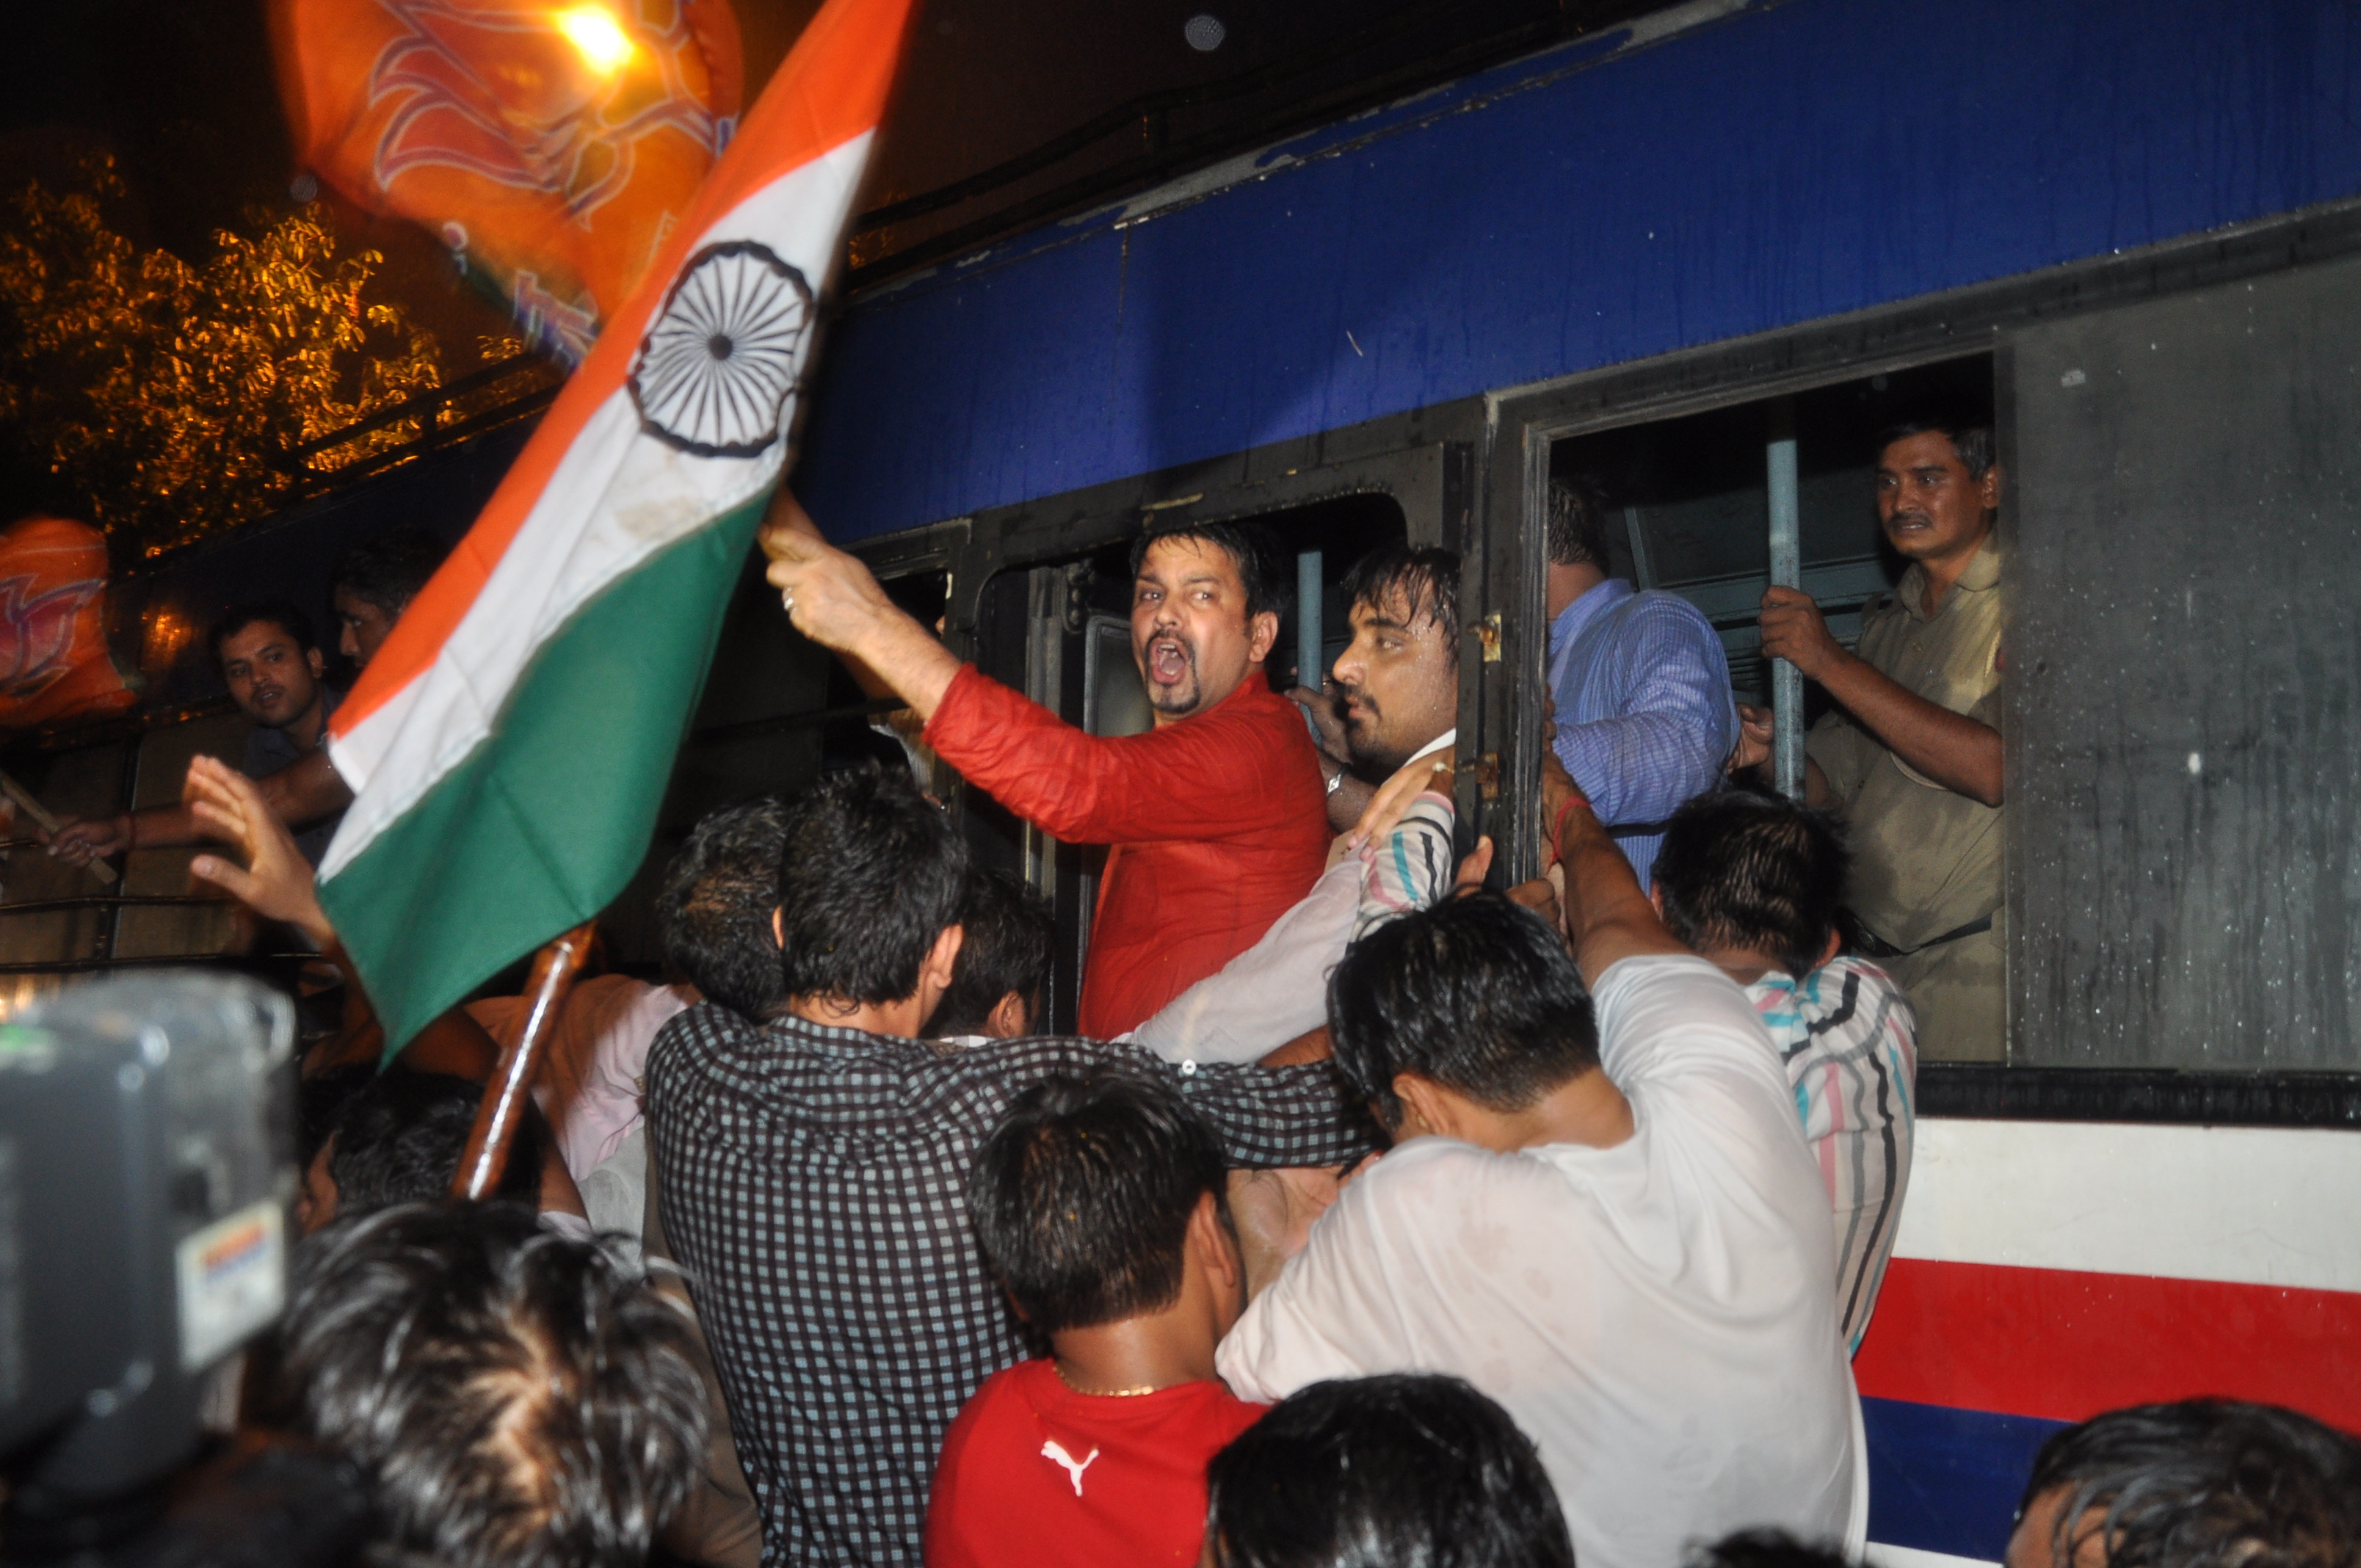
(1371, 1217)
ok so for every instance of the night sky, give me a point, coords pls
(183, 93)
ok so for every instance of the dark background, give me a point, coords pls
(182, 93)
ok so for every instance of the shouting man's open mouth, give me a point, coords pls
(1172, 686)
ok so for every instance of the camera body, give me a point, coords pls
(146, 1169)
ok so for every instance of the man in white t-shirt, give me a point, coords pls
(1611, 1228)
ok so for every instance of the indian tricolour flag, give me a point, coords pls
(509, 744)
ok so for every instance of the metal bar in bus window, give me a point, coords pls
(1786, 572)
(1308, 631)
(1643, 570)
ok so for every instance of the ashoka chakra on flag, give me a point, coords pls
(717, 370)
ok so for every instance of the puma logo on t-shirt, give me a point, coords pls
(1051, 1450)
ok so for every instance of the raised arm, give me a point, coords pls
(278, 884)
(1608, 917)
(300, 793)
(834, 601)
(1956, 751)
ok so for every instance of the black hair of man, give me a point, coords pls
(400, 1138)
(1426, 581)
(389, 568)
(1969, 431)
(1246, 546)
(1743, 870)
(870, 874)
(1767, 1549)
(1009, 932)
(1412, 1470)
(2203, 1484)
(277, 612)
(1475, 994)
(320, 1101)
(543, 1411)
(713, 909)
(1082, 1196)
(1575, 529)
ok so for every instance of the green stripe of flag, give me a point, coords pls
(545, 823)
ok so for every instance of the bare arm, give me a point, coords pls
(1607, 917)
(1953, 750)
(278, 884)
(832, 598)
(301, 793)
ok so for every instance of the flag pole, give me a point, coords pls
(554, 969)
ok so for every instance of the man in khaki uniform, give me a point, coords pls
(1912, 754)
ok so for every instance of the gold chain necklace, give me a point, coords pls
(1101, 1393)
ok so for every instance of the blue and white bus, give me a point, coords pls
(2133, 230)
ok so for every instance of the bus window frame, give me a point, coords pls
(1960, 324)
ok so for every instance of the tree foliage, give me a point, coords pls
(162, 397)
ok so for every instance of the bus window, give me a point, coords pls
(1686, 505)
(1686, 502)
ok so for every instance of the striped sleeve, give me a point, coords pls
(1410, 867)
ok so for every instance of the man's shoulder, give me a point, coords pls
(1677, 1012)
(1005, 1395)
(1252, 709)
(1657, 612)
(1847, 990)
(695, 1034)
(1419, 1188)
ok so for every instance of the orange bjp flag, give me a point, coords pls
(54, 665)
(552, 147)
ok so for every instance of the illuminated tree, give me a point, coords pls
(161, 395)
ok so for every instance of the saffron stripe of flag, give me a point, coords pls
(509, 744)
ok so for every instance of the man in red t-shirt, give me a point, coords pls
(1099, 1202)
(1218, 814)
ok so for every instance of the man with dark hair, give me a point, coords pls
(1637, 679)
(1215, 813)
(2202, 1484)
(1912, 753)
(542, 1412)
(713, 910)
(1753, 884)
(400, 1140)
(272, 666)
(1408, 1471)
(1398, 684)
(374, 581)
(1000, 985)
(1394, 693)
(811, 1173)
(1099, 1202)
(1605, 1220)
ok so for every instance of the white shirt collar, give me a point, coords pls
(1447, 739)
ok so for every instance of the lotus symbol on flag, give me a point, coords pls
(717, 368)
(497, 91)
(37, 633)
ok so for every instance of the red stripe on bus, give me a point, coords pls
(2066, 1345)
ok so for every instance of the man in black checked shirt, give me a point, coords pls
(811, 1175)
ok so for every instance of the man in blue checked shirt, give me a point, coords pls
(1645, 718)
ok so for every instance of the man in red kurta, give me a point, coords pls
(1216, 814)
